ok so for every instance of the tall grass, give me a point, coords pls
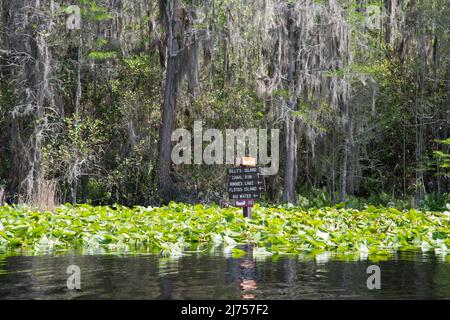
(45, 199)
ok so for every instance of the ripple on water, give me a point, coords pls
(412, 275)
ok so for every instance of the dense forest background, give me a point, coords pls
(361, 96)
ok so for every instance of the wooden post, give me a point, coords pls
(247, 212)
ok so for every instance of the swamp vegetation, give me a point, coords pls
(360, 90)
(174, 229)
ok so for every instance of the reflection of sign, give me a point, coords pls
(245, 183)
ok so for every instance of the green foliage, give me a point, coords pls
(98, 192)
(131, 162)
(117, 135)
(273, 230)
(102, 55)
(7, 101)
(443, 158)
(435, 201)
(219, 108)
(314, 198)
(320, 198)
(133, 180)
(78, 148)
(102, 16)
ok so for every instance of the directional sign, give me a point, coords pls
(245, 183)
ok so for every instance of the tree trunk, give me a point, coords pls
(289, 192)
(84, 188)
(32, 73)
(173, 26)
(73, 195)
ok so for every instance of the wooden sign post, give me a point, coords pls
(245, 184)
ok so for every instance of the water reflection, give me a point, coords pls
(248, 275)
(201, 276)
(167, 266)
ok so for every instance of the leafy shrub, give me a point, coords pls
(435, 201)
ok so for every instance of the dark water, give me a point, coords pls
(199, 276)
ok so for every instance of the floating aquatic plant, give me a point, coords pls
(173, 229)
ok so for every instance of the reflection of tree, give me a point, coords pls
(416, 276)
(166, 286)
(424, 272)
(290, 271)
(195, 277)
(442, 279)
(13, 285)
